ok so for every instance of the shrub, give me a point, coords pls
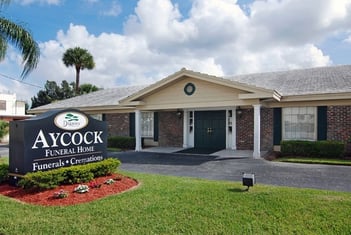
(319, 149)
(121, 142)
(60, 194)
(77, 174)
(330, 149)
(106, 167)
(42, 179)
(4, 128)
(4, 171)
(68, 175)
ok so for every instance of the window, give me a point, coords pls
(299, 123)
(2, 104)
(97, 116)
(147, 124)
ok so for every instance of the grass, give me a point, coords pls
(112, 149)
(4, 160)
(314, 161)
(179, 205)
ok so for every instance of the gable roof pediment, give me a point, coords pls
(246, 91)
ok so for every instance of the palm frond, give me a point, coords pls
(3, 48)
(22, 39)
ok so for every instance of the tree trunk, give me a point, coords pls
(77, 79)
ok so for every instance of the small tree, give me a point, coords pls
(54, 92)
(79, 58)
(87, 88)
(4, 128)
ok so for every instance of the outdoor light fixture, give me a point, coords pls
(239, 112)
(248, 180)
(179, 114)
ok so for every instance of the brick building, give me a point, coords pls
(254, 111)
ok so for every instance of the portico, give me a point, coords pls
(208, 106)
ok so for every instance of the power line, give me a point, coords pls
(21, 81)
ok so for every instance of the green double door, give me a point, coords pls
(210, 129)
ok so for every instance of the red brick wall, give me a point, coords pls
(118, 124)
(266, 129)
(339, 123)
(245, 129)
(170, 129)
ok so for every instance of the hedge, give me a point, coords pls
(121, 142)
(69, 175)
(318, 149)
(4, 171)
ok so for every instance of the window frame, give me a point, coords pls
(150, 129)
(315, 121)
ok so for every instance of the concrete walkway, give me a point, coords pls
(328, 177)
(225, 153)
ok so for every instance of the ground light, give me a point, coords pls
(248, 180)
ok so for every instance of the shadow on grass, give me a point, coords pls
(238, 190)
(162, 158)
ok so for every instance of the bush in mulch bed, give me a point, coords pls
(51, 197)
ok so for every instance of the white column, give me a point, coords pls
(228, 138)
(234, 128)
(257, 131)
(185, 128)
(138, 146)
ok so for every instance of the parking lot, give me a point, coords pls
(316, 176)
(337, 178)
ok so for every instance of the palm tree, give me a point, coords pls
(79, 58)
(20, 38)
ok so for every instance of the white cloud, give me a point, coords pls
(282, 58)
(119, 59)
(296, 22)
(216, 37)
(114, 10)
(159, 22)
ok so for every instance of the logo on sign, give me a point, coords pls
(71, 121)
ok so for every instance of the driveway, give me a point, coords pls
(4, 150)
(337, 178)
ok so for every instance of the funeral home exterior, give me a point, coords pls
(253, 111)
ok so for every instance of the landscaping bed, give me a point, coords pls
(277, 156)
(305, 160)
(98, 189)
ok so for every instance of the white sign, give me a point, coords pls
(71, 121)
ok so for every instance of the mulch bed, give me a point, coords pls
(46, 197)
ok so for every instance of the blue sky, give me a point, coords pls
(44, 19)
(143, 41)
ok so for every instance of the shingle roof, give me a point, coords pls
(321, 80)
(104, 97)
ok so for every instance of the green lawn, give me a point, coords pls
(179, 205)
(111, 149)
(315, 161)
